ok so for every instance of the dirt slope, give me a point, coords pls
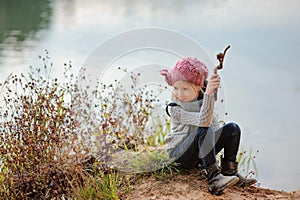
(188, 186)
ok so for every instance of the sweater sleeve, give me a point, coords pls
(200, 119)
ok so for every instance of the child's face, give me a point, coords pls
(185, 91)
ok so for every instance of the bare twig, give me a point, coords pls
(220, 57)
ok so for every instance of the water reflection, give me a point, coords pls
(22, 20)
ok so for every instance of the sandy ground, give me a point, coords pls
(188, 186)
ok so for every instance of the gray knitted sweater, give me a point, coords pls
(188, 116)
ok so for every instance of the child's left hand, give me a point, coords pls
(213, 84)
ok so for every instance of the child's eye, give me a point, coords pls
(185, 89)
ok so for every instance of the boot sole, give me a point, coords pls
(220, 190)
(246, 184)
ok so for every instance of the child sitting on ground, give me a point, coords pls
(196, 136)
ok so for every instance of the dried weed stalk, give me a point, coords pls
(53, 136)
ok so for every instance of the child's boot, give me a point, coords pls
(230, 168)
(217, 182)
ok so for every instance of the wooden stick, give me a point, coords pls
(220, 57)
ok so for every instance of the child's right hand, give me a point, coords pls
(214, 82)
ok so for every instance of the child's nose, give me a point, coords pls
(180, 94)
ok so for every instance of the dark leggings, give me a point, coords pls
(202, 146)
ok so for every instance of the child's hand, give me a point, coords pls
(213, 83)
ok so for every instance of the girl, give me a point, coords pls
(196, 135)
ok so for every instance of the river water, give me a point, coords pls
(261, 75)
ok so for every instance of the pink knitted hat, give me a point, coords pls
(186, 69)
